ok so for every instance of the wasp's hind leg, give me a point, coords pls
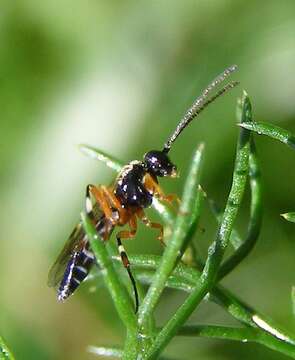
(141, 215)
(115, 203)
(128, 235)
(100, 199)
(102, 207)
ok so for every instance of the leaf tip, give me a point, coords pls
(201, 146)
(202, 191)
(290, 216)
(245, 94)
(85, 149)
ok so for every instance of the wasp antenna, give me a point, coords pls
(201, 103)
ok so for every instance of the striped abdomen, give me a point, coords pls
(80, 263)
(76, 271)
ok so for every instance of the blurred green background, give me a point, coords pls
(118, 75)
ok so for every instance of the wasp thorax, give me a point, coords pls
(158, 163)
(130, 188)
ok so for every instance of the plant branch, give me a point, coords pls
(217, 249)
(171, 253)
(259, 329)
(183, 278)
(238, 334)
(235, 238)
(255, 221)
(220, 332)
(117, 290)
(194, 218)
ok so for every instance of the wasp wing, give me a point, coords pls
(76, 241)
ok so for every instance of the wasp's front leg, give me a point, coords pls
(152, 185)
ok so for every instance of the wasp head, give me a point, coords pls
(158, 164)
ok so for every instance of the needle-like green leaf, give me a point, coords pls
(275, 132)
(235, 238)
(256, 209)
(172, 251)
(290, 216)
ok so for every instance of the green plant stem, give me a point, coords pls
(105, 351)
(237, 334)
(174, 282)
(219, 332)
(118, 292)
(131, 347)
(151, 326)
(183, 278)
(235, 238)
(243, 248)
(256, 211)
(195, 217)
(217, 249)
(171, 253)
(272, 131)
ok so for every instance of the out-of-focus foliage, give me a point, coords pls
(289, 216)
(5, 353)
(118, 75)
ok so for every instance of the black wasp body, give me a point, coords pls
(119, 204)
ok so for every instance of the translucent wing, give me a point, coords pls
(74, 244)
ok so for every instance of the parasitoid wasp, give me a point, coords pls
(124, 201)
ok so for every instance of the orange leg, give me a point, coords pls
(141, 215)
(112, 199)
(102, 203)
(128, 234)
(100, 199)
(155, 188)
(169, 198)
